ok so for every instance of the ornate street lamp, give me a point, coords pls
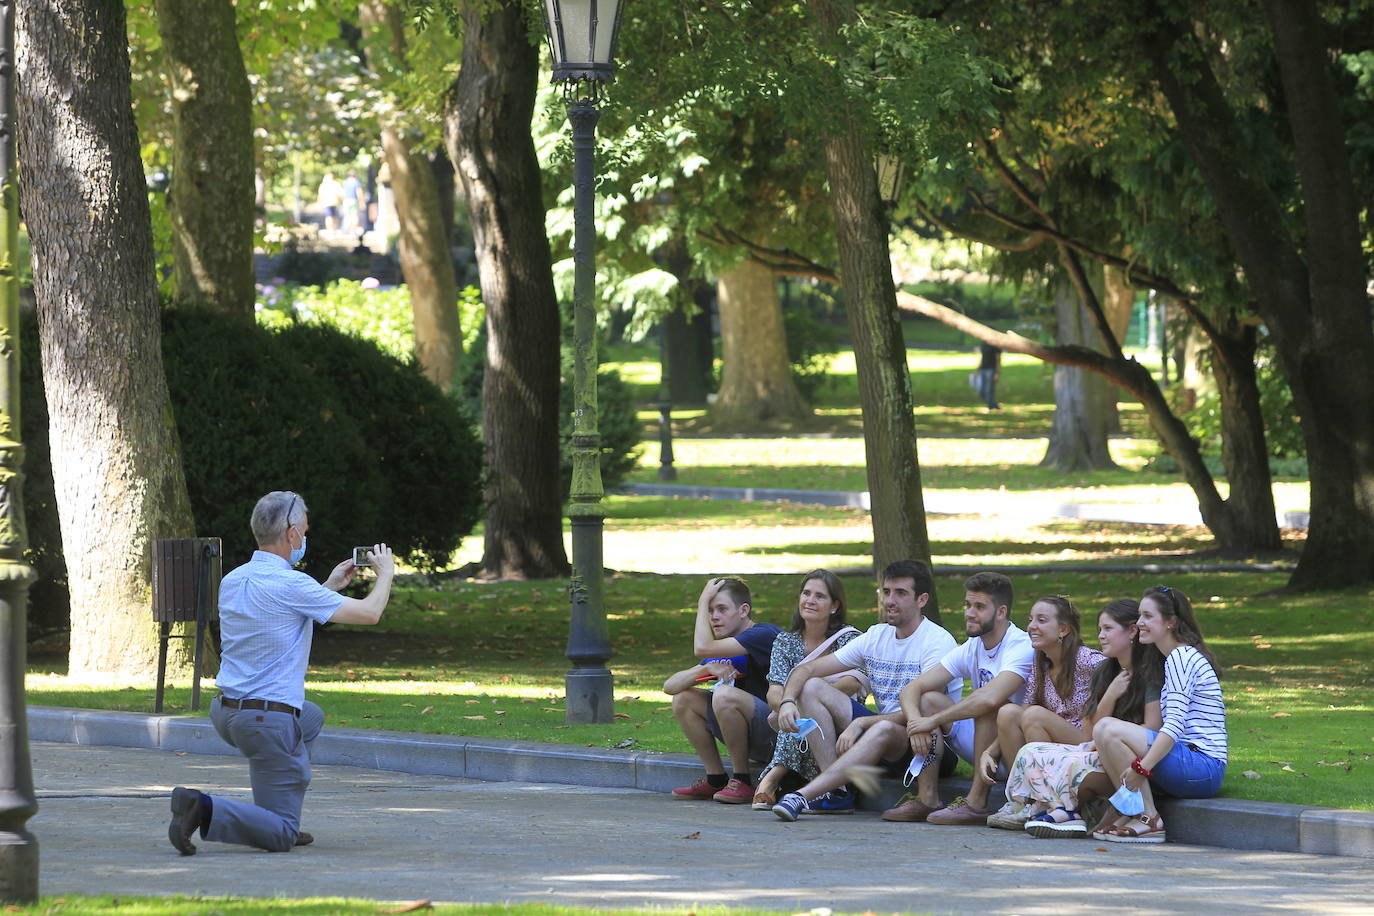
(18, 848)
(582, 38)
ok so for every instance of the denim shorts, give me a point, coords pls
(1187, 772)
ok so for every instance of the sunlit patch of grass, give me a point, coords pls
(1297, 670)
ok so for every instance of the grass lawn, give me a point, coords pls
(75, 905)
(486, 659)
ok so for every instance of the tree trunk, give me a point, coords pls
(1118, 302)
(426, 261)
(690, 341)
(756, 384)
(1244, 450)
(487, 130)
(115, 454)
(212, 189)
(1083, 402)
(1317, 311)
(894, 473)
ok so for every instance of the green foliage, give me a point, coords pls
(811, 341)
(1282, 425)
(378, 452)
(361, 307)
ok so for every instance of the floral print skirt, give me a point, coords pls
(1048, 775)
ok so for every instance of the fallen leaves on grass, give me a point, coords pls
(481, 718)
(427, 710)
(410, 907)
(693, 836)
(623, 715)
(1251, 774)
(1282, 715)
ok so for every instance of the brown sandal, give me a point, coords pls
(1140, 829)
(764, 801)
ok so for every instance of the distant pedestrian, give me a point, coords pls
(268, 612)
(352, 202)
(989, 370)
(330, 198)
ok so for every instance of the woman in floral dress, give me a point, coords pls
(1052, 777)
(819, 625)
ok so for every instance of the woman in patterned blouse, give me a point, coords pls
(819, 625)
(1058, 692)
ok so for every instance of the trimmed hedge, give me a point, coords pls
(377, 451)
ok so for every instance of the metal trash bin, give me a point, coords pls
(186, 574)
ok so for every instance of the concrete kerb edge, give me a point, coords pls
(1227, 822)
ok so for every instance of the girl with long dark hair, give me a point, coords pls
(1186, 756)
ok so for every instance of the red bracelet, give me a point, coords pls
(1135, 765)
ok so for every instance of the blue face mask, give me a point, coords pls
(298, 553)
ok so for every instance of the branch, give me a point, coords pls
(1031, 241)
(782, 261)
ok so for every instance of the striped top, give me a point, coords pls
(1191, 703)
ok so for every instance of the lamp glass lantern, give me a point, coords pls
(582, 39)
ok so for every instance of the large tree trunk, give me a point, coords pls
(894, 474)
(1317, 309)
(212, 190)
(756, 384)
(1083, 401)
(115, 455)
(1244, 449)
(426, 260)
(487, 129)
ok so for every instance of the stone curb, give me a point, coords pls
(983, 503)
(1231, 823)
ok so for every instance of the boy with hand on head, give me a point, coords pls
(735, 653)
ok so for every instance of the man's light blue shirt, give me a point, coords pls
(267, 612)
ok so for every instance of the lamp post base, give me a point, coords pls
(18, 867)
(590, 697)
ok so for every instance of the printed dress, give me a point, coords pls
(791, 751)
(1048, 774)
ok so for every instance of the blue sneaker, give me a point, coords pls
(837, 801)
(789, 806)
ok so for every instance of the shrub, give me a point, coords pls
(378, 452)
(1282, 427)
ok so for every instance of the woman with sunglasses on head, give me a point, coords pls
(820, 625)
(1056, 779)
(1056, 695)
(1186, 757)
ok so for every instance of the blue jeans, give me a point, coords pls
(1187, 772)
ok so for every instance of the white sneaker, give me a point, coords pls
(1011, 816)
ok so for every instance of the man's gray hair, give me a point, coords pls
(276, 512)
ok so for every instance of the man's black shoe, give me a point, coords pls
(304, 839)
(187, 805)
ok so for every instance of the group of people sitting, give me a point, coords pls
(1059, 722)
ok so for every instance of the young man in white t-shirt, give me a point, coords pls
(891, 654)
(996, 660)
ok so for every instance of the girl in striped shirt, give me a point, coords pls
(1186, 758)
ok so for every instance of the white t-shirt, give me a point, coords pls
(891, 663)
(979, 665)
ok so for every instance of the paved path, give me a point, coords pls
(103, 816)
